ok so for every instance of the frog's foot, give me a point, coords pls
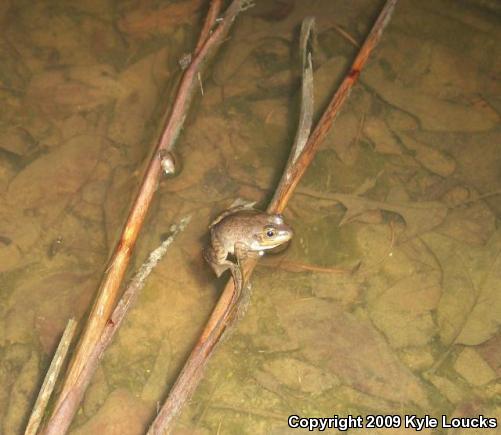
(219, 269)
(236, 273)
(218, 266)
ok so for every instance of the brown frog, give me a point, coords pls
(243, 232)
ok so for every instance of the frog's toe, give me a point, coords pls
(219, 269)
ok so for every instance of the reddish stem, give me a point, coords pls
(86, 354)
(224, 313)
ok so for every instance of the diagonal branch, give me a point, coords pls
(72, 392)
(226, 309)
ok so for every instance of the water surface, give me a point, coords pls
(406, 185)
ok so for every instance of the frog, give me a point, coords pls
(243, 232)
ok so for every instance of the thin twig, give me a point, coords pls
(125, 303)
(50, 378)
(295, 172)
(223, 314)
(346, 35)
(136, 285)
(71, 392)
(210, 21)
(306, 46)
(294, 266)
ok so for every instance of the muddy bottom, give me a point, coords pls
(405, 190)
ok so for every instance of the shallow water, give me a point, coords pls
(411, 171)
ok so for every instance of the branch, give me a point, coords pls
(227, 307)
(71, 393)
(294, 173)
(210, 20)
(61, 421)
(51, 378)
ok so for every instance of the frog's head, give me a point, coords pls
(272, 232)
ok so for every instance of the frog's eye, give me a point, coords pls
(270, 232)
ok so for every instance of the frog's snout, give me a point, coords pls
(286, 234)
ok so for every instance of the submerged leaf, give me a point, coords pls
(351, 349)
(403, 311)
(420, 217)
(473, 224)
(472, 367)
(55, 175)
(431, 158)
(470, 308)
(143, 22)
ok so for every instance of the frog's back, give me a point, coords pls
(240, 210)
(238, 226)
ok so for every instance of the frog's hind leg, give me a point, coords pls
(218, 263)
(220, 268)
(221, 264)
